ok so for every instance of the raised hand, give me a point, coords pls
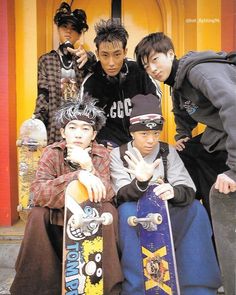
(142, 170)
(81, 53)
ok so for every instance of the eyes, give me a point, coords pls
(152, 60)
(116, 55)
(143, 133)
(68, 27)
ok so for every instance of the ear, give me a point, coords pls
(94, 135)
(62, 130)
(97, 53)
(171, 54)
(132, 135)
(125, 51)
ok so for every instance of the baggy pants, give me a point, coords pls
(39, 263)
(197, 265)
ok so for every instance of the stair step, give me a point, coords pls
(6, 278)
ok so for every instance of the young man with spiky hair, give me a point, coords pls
(115, 80)
(61, 71)
(77, 156)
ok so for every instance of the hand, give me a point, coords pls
(225, 184)
(81, 53)
(142, 170)
(95, 187)
(164, 191)
(180, 144)
(77, 154)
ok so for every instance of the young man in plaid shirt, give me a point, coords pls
(78, 156)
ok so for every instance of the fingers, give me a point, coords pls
(164, 191)
(180, 144)
(132, 164)
(81, 54)
(95, 187)
(225, 184)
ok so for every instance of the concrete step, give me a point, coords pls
(10, 240)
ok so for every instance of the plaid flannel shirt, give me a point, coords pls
(54, 174)
(49, 97)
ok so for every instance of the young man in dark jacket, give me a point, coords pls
(115, 80)
(204, 92)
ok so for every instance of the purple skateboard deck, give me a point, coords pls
(159, 265)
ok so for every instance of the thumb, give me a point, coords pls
(71, 50)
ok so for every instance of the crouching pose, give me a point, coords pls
(196, 261)
(78, 156)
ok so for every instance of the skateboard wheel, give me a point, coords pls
(132, 221)
(107, 218)
(156, 218)
(19, 208)
(19, 142)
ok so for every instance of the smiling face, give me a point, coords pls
(145, 141)
(67, 32)
(111, 56)
(79, 133)
(158, 65)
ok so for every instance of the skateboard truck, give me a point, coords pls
(88, 224)
(149, 222)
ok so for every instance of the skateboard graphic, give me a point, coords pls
(157, 247)
(32, 139)
(223, 213)
(82, 242)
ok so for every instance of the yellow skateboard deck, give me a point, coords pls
(82, 242)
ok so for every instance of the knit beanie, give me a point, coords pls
(146, 113)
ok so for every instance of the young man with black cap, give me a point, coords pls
(196, 261)
(78, 156)
(61, 71)
(115, 80)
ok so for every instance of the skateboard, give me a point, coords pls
(157, 247)
(82, 242)
(32, 139)
(223, 213)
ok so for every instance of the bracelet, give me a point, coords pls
(141, 190)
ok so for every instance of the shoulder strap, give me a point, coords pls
(123, 148)
(163, 152)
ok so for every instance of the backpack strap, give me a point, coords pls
(123, 148)
(163, 153)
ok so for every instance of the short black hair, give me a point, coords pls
(110, 30)
(157, 42)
